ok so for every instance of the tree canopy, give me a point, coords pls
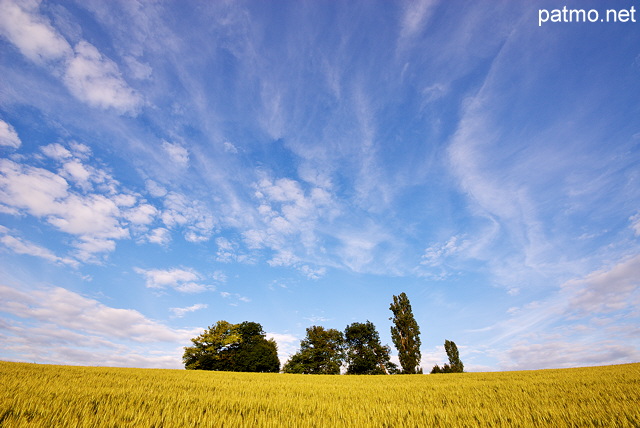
(405, 334)
(455, 365)
(365, 353)
(321, 352)
(232, 347)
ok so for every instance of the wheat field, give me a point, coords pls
(67, 396)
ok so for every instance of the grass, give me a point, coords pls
(67, 396)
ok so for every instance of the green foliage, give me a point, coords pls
(455, 365)
(454, 358)
(232, 347)
(321, 352)
(405, 334)
(365, 353)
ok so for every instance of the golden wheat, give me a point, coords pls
(66, 396)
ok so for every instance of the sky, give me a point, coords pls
(168, 164)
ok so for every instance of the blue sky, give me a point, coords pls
(165, 165)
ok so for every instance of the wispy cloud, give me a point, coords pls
(31, 33)
(553, 325)
(192, 215)
(180, 312)
(77, 198)
(8, 135)
(606, 290)
(72, 311)
(55, 325)
(416, 15)
(21, 246)
(436, 254)
(635, 224)
(89, 75)
(288, 218)
(177, 153)
(183, 280)
(96, 80)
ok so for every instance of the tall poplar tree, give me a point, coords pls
(455, 365)
(405, 334)
(454, 357)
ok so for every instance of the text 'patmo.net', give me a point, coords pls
(584, 15)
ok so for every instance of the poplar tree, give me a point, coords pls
(455, 365)
(454, 357)
(405, 334)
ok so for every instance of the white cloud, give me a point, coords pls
(236, 296)
(436, 254)
(96, 80)
(584, 314)
(155, 190)
(89, 246)
(316, 319)
(178, 153)
(72, 311)
(138, 70)
(75, 171)
(416, 15)
(230, 148)
(635, 224)
(219, 276)
(183, 280)
(21, 246)
(89, 76)
(228, 251)
(94, 215)
(57, 326)
(160, 236)
(311, 273)
(35, 190)
(288, 219)
(8, 135)
(606, 290)
(180, 312)
(190, 214)
(56, 151)
(556, 353)
(283, 258)
(79, 199)
(143, 214)
(357, 248)
(287, 345)
(31, 33)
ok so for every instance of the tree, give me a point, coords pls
(454, 358)
(321, 352)
(232, 347)
(405, 334)
(212, 349)
(455, 365)
(365, 354)
(254, 353)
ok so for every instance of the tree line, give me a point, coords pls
(244, 347)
